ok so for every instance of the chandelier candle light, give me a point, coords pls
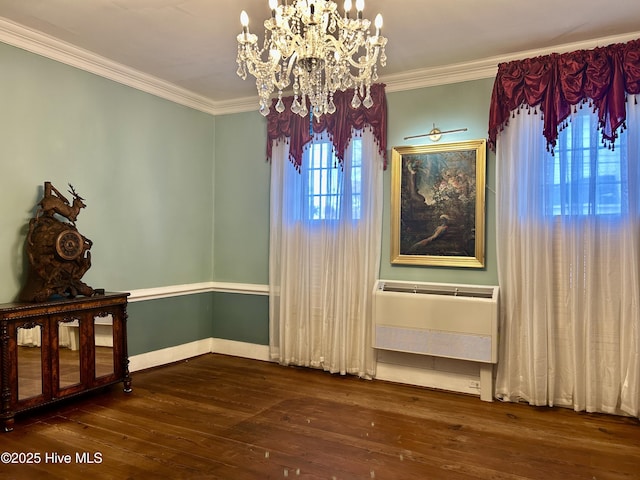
(310, 43)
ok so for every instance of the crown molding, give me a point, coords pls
(36, 42)
(33, 41)
(431, 77)
(486, 68)
(237, 105)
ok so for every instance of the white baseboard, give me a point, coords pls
(193, 349)
(419, 370)
(164, 356)
(240, 349)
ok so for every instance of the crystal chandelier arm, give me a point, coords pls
(362, 63)
(285, 75)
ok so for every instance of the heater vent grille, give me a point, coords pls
(450, 290)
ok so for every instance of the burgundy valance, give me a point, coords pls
(339, 125)
(554, 83)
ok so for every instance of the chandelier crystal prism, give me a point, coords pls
(312, 48)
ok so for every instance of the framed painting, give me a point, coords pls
(437, 204)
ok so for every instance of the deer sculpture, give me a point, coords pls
(54, 202)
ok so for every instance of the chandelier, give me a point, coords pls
(314, 49)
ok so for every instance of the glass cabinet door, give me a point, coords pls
(29, 361)
(103, 341)
(69, 352)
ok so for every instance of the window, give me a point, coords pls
(333, 191)
(586, 177)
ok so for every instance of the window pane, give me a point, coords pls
(314, 210)
(327, 179)
(586, 177)
(333, 181)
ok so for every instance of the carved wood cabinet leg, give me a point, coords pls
(125, 351)
(8, 424)
(5, 395)
(127, 378)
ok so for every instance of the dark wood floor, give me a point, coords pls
(220, 417)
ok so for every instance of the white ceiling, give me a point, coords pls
(191, 44)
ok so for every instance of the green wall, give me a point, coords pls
(167, 322)
(241, 317)
(176, 196)
(449, 107)
(144, 166)
(241, 206)
(242, 180)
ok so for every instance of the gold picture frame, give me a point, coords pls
(438, 204)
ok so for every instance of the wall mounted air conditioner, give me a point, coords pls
(445, 320)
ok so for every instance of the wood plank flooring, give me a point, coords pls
(228, 418)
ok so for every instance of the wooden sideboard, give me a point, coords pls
(59, 348)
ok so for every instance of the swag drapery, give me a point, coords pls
(556, 83)
(322, 270)
(296, 130)
(569, 274)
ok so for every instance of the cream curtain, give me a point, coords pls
(322, 272)
(570, 284)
